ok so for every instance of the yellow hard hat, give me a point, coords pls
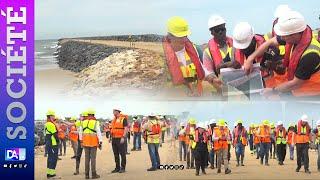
(91, 111)
(291, 125)
(178, 27)
(239, 121)
(51, 112)
(272, 125)
(84, 113)
(192, 121)
(256, 125)
(221, 122)
(265, 122)
(73, 118)
(252, 125)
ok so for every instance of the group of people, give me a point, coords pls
(289, 55)
(202, 143)
(85, 134)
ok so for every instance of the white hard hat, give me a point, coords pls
(281, 10)
(304, 118)
(242, 35)
(318, 123)
(280, 123)
(182, 124)
(215, 20)
(201, 125)
(290, 23)
(213, 121)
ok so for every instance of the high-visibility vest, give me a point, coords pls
(51, 130)
(61, 133)
(294, 54)
(221, 144)
(136, 127)
(290, 137)
(318, 136)
(117, 130)
(256, 138)
(281, 136)
(302, 135)
(182, 137)
(196, 138)
(153, 131)
(241, 136)
(73, 135)
(89, 137)
(265, 134)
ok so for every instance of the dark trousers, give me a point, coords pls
(264, 151)
(190, 157)
(90, 160)
(273, 143)
(211, 157)
(229, 153)
(281, 152)
(251, 142)
(52, 157)
(201, 160)
(303, 155)
(63, 142)
(182, 149)
(78, 155)
(119, 150)
(45, 149)
(162, 136)
(153, 149)
(137, 140)
(126, 145)
(107, 134)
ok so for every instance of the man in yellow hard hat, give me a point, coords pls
(221, 136)
(91, 138)
(52, 142)
(190, 133)
(78, 124)
(182, 56)
(265, 141)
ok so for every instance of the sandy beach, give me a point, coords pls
(139, 161)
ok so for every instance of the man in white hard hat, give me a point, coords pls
(302, 139)
(182, 142)
(219, 53)
(153, 140)
(213, 125)
(316, 131)
(281, 136)
(302, 58)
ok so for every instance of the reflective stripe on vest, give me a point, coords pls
(117, 130)
(265, 134)
(90, 138)
(241, 136)
(221, 144)
(310, 87)
(152, 137)
(281, 137)
(51, 129)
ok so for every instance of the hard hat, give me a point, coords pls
(182, 124)
(290, 23)
(256, 125)
(192, 121)
(281, 10)
(84, 113)
(91, 111)
(239, 121)
(279, 123)
(215, 20)
(291, 125)
(272, 125)
(242, 35)
(50, 112)
(152, 114)
(221, 122)
(251, 125)
(117, 109)
(318, 123)
(304, 118)
(266, 122)
(73, 118)
(201, 125)
(213, 121)
(178, 27)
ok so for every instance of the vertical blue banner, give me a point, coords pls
(17, 89)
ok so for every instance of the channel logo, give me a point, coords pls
(15, 154)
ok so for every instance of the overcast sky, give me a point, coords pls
(74, 18)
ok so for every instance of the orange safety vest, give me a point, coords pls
(117, 130)
(61, 132)
(290, 137)
(242, 136)
(204, 135)
(283, 133)
(73, 135)
(302, 135)
(291, 60)
(256, 139)
(221, 144)
(182, 137)
(265, 134)
(136, 127)
(89, 137)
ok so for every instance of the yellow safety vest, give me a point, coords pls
(152, 138)
(51, 129)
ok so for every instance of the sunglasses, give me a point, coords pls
(220, 29)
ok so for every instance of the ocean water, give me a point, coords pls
(45, 54)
